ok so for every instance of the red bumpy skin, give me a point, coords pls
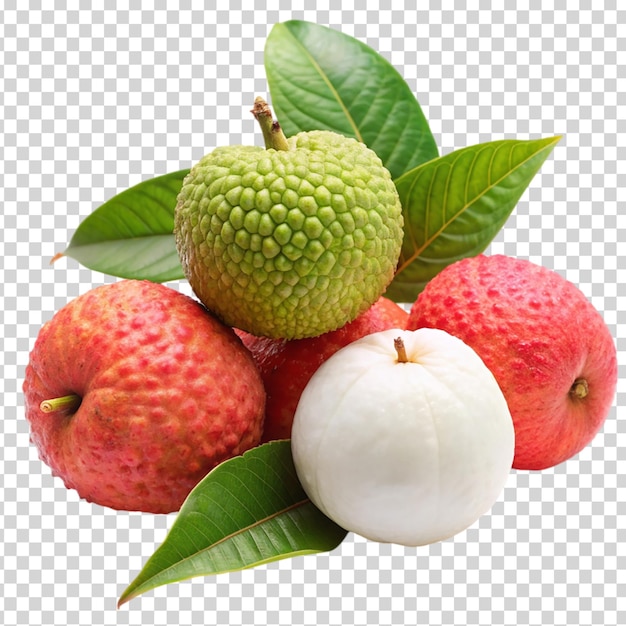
(286, 366)
(167, 391)
(540, 337)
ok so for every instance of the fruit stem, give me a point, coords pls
(580, 388)
(272, 132)
(398, 344)
(64, 403)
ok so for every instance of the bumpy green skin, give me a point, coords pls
(290, 243)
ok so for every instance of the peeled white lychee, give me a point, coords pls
(403, 437)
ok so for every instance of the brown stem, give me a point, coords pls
(398, 344)
(272, 132)
(580, 388)
(65, 403)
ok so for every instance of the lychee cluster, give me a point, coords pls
(134, 391)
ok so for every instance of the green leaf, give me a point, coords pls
(131, 235)
(322, 79)
(455, 205)
(248, 511)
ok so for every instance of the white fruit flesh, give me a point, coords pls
(408, 453)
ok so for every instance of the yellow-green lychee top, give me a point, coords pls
(289, 243)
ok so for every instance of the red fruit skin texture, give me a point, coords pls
(286, 366)
(167, 390)
(538, 334)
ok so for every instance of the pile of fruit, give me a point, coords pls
(403, 425)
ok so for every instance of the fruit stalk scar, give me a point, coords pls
(398, 344)
(65, 403)
(580, 388)
(272, 132)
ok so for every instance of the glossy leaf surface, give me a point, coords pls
(320, 78)
(455, 205)
(131, 235)
(248, 511)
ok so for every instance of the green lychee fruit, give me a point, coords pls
(292, 240)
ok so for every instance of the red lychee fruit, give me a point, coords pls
(547, 346)
(287, 365)
(134, 392)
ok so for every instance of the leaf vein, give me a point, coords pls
(491, 184)
(317, 67)
(226, 538)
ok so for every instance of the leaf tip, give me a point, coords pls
(56, 257)
(549, 143)
(125, 598)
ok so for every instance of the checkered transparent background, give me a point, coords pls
(93, 101)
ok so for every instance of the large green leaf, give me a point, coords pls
(131, 235)
(248, 511)
(320, 78)
(455, 205)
